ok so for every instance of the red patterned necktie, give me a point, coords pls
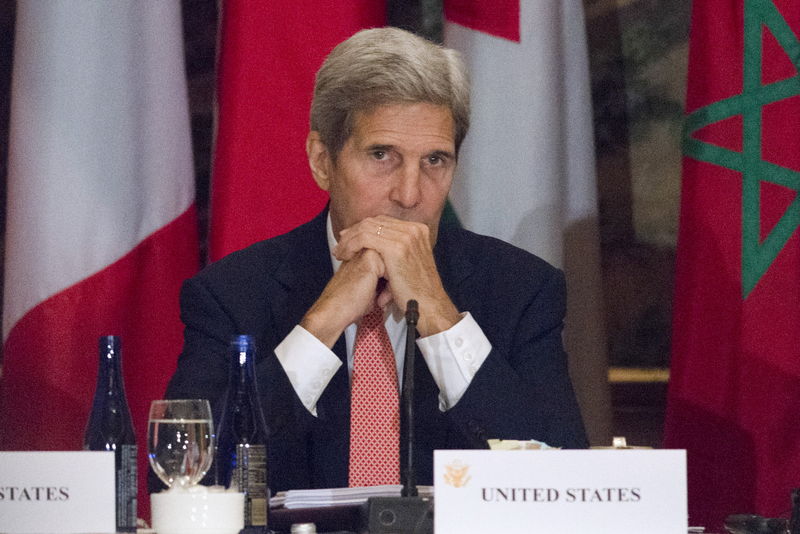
(374, 407)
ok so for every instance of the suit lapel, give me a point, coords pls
(303, 273)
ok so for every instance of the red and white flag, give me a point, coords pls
(734, 396)
(270, 52)
(526, 171)
(101, 224)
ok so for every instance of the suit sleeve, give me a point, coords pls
(523, 390)
(210, 322)
(202, 370)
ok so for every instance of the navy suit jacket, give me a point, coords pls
(522, 390)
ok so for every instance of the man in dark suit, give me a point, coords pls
(389, 113)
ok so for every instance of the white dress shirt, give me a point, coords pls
(453, 356)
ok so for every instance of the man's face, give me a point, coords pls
(399, 162)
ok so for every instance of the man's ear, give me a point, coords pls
(319, 160)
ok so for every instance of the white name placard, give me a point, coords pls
(57, 492)
(564, 491)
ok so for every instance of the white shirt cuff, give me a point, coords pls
(454, 357)
(308, 363)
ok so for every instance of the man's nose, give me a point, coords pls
(406, 191)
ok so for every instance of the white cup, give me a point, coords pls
(197, 510)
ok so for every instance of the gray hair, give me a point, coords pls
(384, 66)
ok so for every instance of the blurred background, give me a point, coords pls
(637, 52)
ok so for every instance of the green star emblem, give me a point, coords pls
(757, 255)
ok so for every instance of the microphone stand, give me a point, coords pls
(408, 477)
(409, 513)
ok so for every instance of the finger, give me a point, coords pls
(383, 234)
(379, 226)
(372, 261)
(360, 238)
(385, 296)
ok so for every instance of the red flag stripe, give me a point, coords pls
(261, 183)
(497, 17)
(50, 364)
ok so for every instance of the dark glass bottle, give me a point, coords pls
(110, 428)
(241, 459)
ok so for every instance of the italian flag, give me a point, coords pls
(269, 53)
(526, 170)
(101, 225)
(734, 394)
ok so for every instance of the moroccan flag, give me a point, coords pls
(101, 226)
(734, 397)
(526, 170)
(270, 51)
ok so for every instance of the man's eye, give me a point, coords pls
(379, 154)
(435, 160)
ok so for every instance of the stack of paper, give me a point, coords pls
(316, 498)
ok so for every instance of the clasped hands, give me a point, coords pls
(382, 247)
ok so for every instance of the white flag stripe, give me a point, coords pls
(579, 156)
(89, 79)
(523, 162)
(526, 173)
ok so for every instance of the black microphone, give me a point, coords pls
(408, 476)
(409, 513)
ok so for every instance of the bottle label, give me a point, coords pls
(250, 477)
(126, 488)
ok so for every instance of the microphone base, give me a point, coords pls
(397, 515)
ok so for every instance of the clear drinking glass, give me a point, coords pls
(180, 440)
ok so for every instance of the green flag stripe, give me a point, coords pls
(736, 105)
(756, 256)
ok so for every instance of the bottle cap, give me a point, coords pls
(243, 342)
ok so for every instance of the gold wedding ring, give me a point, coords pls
(380, 229)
